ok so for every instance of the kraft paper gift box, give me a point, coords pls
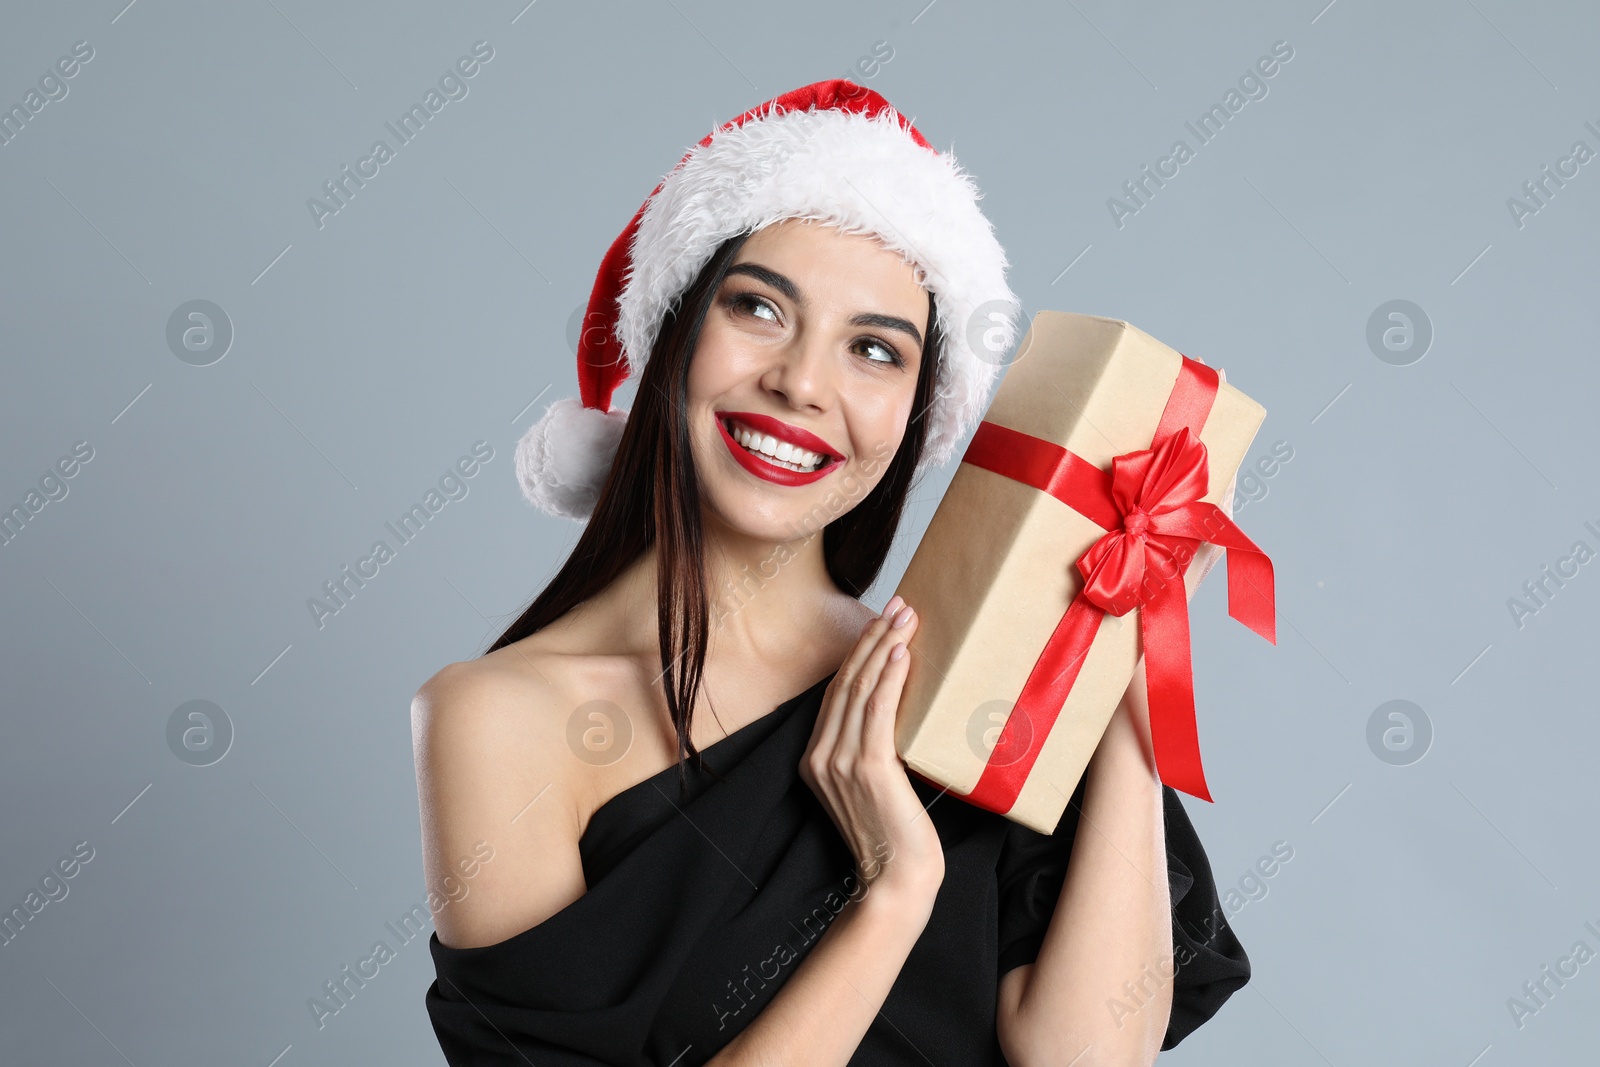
(1058, 556)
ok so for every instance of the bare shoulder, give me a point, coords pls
(848, 616)
(491, 786)
(854, 615)
(501, 796)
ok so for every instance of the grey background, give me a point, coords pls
(429, 313)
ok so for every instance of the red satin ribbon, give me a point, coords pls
(1150, 506)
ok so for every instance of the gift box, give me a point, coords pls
(1059, 554)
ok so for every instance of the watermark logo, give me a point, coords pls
(52, 889)
(199, 733)
(52, 88)
(870, 65)
(850, 490)
(986, 735)
(452, 485)
(599, 732)
(994, 336)
(1399, 333)
(1539, 992)
(199, 332)
(1137, 192)
(1252, 480)
(1399, 732)
(52, 487)
(1542, 189)
(751, 988)
(1251, 886)
(340, 990)
(452, 86)
(594, 331)
(1539, 591)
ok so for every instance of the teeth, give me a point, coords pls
(780, 452)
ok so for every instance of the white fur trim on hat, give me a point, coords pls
(864, 175)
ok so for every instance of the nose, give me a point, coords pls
(802, 373)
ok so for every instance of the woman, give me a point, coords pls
(704, 848)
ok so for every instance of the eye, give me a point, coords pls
(752, 303)
(873, 343)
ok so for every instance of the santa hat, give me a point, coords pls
(832, 151)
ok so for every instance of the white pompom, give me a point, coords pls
(564, 458)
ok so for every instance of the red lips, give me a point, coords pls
(784, 432)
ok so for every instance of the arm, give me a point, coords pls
(1102, 985)
(481, 760)
(481, 757)
(821, 1013)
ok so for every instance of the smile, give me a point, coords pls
(775, 451)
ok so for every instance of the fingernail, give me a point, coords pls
(902, 616)
(897, 652)
(894, 605)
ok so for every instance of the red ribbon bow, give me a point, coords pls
(1157, 492)
(1150, 507)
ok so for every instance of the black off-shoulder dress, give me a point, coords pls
(701, 904)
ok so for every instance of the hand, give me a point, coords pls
(853, 768)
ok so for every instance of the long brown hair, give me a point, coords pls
(651, 493)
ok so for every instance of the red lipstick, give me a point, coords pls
(758, 466)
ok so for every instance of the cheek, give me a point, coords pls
(717, 364)
(881, 421)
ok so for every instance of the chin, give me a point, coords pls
(762, 512)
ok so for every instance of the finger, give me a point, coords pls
(836, 697)
(865, 643)
(854, 718)
(877, 727)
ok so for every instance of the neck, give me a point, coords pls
(764, 597)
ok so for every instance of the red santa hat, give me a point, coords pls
(834, 152)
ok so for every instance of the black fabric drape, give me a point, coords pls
(702, 903)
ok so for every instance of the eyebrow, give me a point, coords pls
(789, 289)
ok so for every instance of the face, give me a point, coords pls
(814, 341)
